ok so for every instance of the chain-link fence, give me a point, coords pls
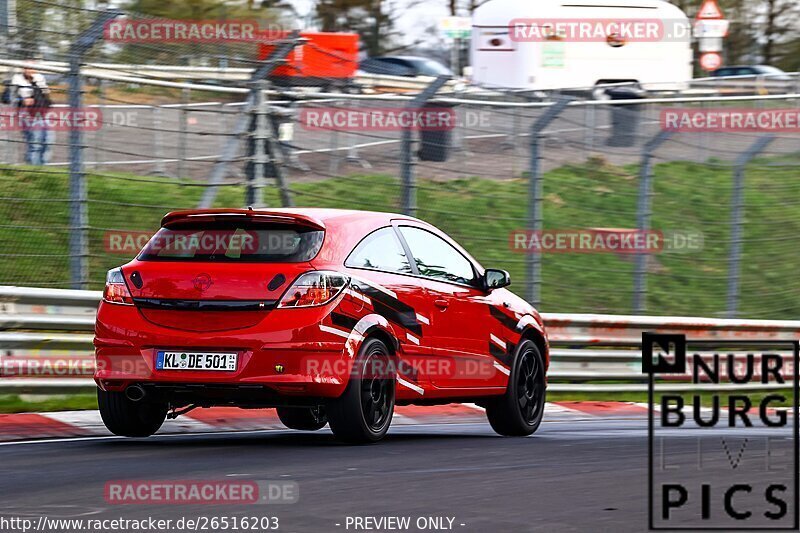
(543, 185)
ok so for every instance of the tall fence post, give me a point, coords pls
(590, 123)
(229, 151)
(98, 135)
(160, 168)
(737, 221)
(277, 161)
(333, 163)
(256, 178)
(353, 157)
(265, 151)
(535, 191)
(78, 193)
(9, 26)
(643, 215)
(184, 131)
(407, 159)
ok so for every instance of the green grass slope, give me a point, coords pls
(481, 214)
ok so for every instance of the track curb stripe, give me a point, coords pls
(77, 424)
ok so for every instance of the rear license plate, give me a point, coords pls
(225, 362)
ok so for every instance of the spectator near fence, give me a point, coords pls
(31, 96)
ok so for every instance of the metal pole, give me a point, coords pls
(10, 150)
(286, 139)
(737, 221)
(797, 89)
(160, 168)
(278, 162)
(265, 150)
(454, 56)
(352, 152)
(535, 221)
(643, 215)
(407, 160)
(256, 182)
(184, 129)
(535, 192)
(409, 193)
(229, 151)
(511, 141)
(333, 162)
(460, 128)
(78, 195)
(98, 135)
(8, 26)
(704, 138)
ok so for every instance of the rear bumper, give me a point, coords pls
(285, 354)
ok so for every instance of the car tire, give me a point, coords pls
(127, 418)
(519, 411)
(363, 413)
(303, 418)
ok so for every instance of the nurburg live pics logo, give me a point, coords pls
(726, 459)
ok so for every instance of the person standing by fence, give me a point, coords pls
(31, 97)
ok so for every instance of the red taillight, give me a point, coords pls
(305, 296)
(116, 292)
(314, 288)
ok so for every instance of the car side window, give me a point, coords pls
(380, 250)
(436, 258)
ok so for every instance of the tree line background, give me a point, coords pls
(762, 31)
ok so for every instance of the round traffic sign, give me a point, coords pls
(710, 61)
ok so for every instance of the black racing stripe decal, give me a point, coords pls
(408, 371)
(512, 349)
(503, 318)
(344, 321)
(505, 357)
(407, 319)
(391, 308)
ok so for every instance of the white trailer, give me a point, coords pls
(511, 56)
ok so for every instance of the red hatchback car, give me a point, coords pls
(331, 316)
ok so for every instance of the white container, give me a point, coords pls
(498, 61)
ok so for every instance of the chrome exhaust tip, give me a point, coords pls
(135, 393)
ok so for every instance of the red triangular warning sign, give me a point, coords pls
(710, 10)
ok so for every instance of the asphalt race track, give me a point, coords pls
(566, 473)
(582, 474)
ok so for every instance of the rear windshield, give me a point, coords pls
(228, 242)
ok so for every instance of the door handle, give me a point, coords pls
(441, 303)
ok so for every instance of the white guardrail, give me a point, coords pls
(181, 76)
(167, 74)
(49, 331)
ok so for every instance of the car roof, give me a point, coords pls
(344, 227)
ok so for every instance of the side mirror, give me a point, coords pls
(495, 279)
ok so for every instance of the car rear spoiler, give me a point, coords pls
(268, 217)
